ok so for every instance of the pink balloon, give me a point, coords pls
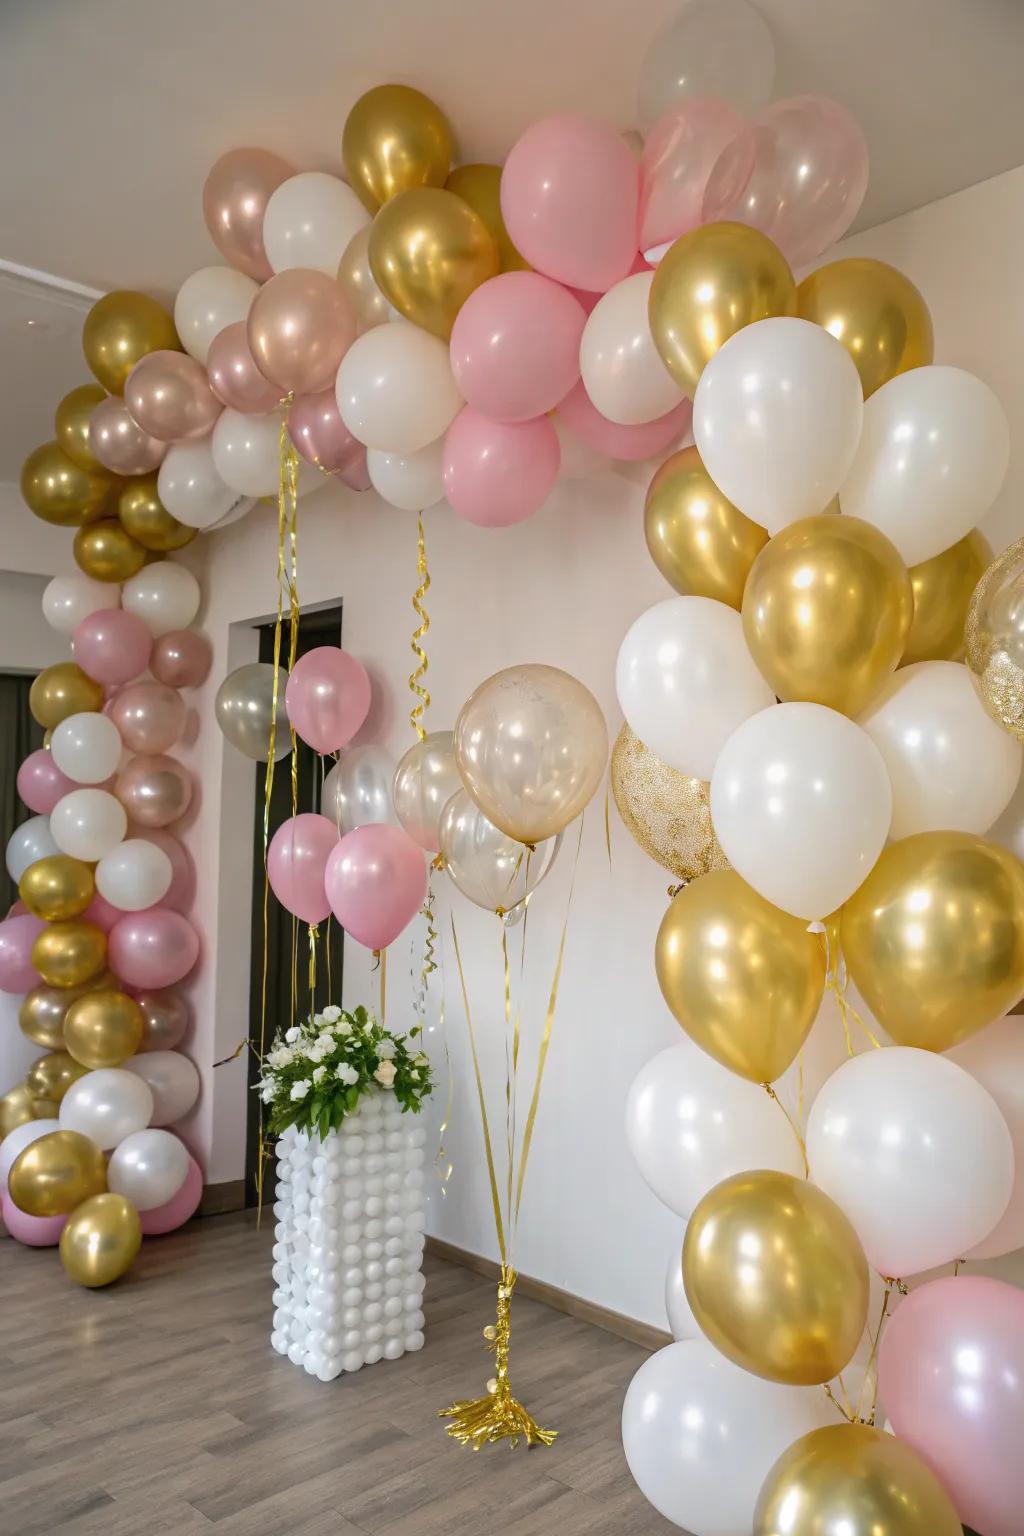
(119, 442)
(499, 472)
(327, 697)
(355, 474)
(296, 862)
(569, 194)
(376, 881)
(102, 912)
(234, 377)
(34, 1231)
(155, 791)
(112, 645)
(679, 158)
(951, 1375)
(155, 948)
(41, 783)
(17, 935)
(179, 1208)
(235, 198)
(150, 717)
(515, 346)
(319, 434)
(169, 395)
(579, 413)
(180, 894)
(181, 659)
(300, 326)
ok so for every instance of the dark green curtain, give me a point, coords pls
(19, 735)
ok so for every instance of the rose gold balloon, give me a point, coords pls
(355, 473)
(150, 717)
(169, 395)
(164, 1019)
(155, 791)
(300, 327)
(119, 442)
(181, 659)
(235, 197)
(318, 432)
(234, 377)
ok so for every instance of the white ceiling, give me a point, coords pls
(111, 112)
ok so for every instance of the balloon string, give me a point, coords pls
(499, 1225)
(837, 981)
(314, 934)
(770, 1091)
(871, 1369)
(416, 687)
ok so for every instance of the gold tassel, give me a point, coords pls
(498, 1416)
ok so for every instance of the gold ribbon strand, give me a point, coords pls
(416, 686)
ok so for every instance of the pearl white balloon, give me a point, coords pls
(15, 1142)
(916, 1152)
(681, 1321)
(994, 1057)
(247, 456)
(411, 481)
(148, 1168)
(932, 457)
(193, 491)
(88, 823)
(207, 301)
(619, 363)
(686, 680)
(713, 48)
(172, 1080)
(165, 596)
(33, 840)
(952, 768)
(801, 804)
(1008, 831)
(357, 791)
(776, 419)
(106, 1106)
(67, 600)
(396, 390)
(309, 222)
(86, 747)
(134, 875)
(690, 1123)
(701, 1435)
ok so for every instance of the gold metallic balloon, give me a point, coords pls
(480, 187)
(63, 690)
(107, 552)
(934, 938)
(121, 328)
(71, 423)
(428, 251)
(58, 490)
(942, 594)
(56, 1172)
(42, 1012)
(666, 812)
(100, 1240)
(143, 515)
(827, 610)
(877, 313)
(853, 1479)
(49, 1078)
(742, 978)
(102, 1029)
(700, 542)
(57, 887)
(776, 1277)
(395, 138)
(67, 954)
(356, 279)
(994, 638)
(15, 1109)
(709, 285)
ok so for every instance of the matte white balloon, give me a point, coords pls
(357, 791)
(106, 1106)
(776, 419)
(1008, 831)
(994, 1057)
(148, 1168)
(173, 1082)
(396, 390)
(247, 456)
(309, 222)
(67, 600)
(86, 747)
(134, 875)
(207, 301)
(15, 1142)
(619, 363)
(712, 48)
(411, 481)
(88, 823)
(163, 595)
(33, 840)
(192, 490)
(681, 1321)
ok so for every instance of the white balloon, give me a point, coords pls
(148, 1168)
(247, 457)
(164, 595)
(33, 840)
(681, 1321)
(701, 1435)
(88, 823)
(192, 490)
(713, 48)
(86, 747)
(691, 1123)
(801, 804)
(309, 222)
(411, 481)
(776, 419)
(686, 680)
(357, 791)
(207, 301)
(15, 1142)
(1008, 831)
(106, 1106)
(916, 1152)
(994, 1057)
(67, 600)
(952, 768)
(932, 457)
(172, 1079)
(396, 390)
(134, 875)
(619, 363)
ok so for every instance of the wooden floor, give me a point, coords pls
(158, 1406)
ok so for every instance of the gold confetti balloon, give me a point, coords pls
(665, 811)
(995, 639)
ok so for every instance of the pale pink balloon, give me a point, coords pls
(296, 862)
(300, 326)
(150, 716)
(182, 658)
(579, 413)
(515, 346)
(102, 912)
(235, 198)
(234, 377)
(498, 472)
(327, 697)
(169, 395)
(17, 909)
(155, 948)
(680, 155)
(569, 196)
(34, 1231)
(17, 935)
(376, 882)
(118, 441)
(155, 791)
(179, 1208)
(181, 892)
(112, 645)
(319, 434)
(41, 783)
(355, 473)
(951, 1375)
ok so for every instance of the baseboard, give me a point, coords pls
(590, 1312)
(218, 1199)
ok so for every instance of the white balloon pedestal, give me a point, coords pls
(348, 1249)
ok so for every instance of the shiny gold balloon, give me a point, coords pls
(877, 313)
(480, 187)
(394, 139)
(107, 552)
(776, 1277)
(57, 887)
(994, 638)
(56, 1172)
(49, 1078)
(934, 938)
(143, 515)
(100, 1240)
(15, 1109)
(743, 979)
(428, 251)
(709, 285)
(58, 490)
(700, 542)
(67, 954)
(42, 1012)
(853, 1479)
(121, 328)
(827, 610)
(102, 1029)
(71, 423)
(354, 276)
(666, 812)
(63, 690)
(942, 594)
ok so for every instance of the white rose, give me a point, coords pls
(385, 1074)
(291, 1035)
(325, 1041)
(267, 1093)
(386, 1050)
(300, 1089)
(347, 1074)
(414, 1075)
(332, 1013)
(283, 1056)
(319, 1073)
(421, 1060)
(344, 1029)
(315, 1052)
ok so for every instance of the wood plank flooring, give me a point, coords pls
(159, 1407)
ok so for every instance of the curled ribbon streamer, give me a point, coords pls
(421, 692)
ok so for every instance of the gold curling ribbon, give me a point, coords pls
(443, 1166)
(416, 687)
(314, 934)
(837, 980)
(794, 1127)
